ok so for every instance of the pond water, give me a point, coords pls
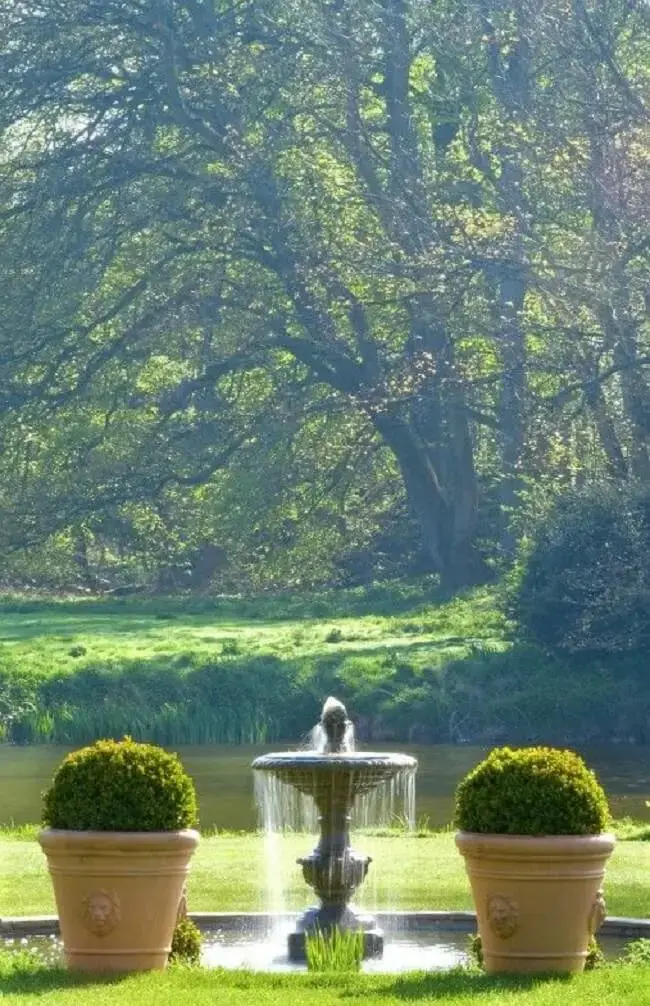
(224, 780)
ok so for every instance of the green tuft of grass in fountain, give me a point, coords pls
(337, 950)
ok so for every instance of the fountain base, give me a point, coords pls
(328, 917)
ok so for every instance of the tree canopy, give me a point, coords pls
(302, 280)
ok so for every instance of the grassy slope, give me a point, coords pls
(607, 987)
(201, 670)
(41, 635)
(73, 659)
(229, 875)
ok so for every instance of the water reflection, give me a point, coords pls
(224, 780)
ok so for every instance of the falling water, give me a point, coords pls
(391, 804)
(283, 808)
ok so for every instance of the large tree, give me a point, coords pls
(210, 206)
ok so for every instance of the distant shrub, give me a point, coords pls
(585, 583)
(531, 791)
(120, 786)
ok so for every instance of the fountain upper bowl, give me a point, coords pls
(350, 774)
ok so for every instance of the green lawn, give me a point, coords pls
(614, 986)
(407, 872)
(44, 635)
(195, 671)
(245, 671)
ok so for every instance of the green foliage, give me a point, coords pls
(337, 950)
(531, 791)
(475, 949)
(585, 584)
(120, 786)
(595, 957)
(637, 952)
(186, 943)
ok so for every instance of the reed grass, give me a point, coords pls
(228, 671)
(336, 950)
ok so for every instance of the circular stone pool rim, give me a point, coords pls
(23, 926)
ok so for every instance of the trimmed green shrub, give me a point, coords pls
(584, 585)
(120, 786)
(531, 791)
(186, 943)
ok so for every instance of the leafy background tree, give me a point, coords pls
(288, 284)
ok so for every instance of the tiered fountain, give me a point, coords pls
(335, 776)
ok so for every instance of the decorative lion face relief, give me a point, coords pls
(101, 912)
(503, 915)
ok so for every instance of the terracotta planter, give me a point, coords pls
(538, 900)
(118, 894)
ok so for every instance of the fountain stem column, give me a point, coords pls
(335, 870)
(334, 825)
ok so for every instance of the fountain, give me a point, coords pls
(335, 776)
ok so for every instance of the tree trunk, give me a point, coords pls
(446, 515)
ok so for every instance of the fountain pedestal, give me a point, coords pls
(335, 870)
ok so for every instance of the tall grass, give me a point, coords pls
(335, 950)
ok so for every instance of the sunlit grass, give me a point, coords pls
(189, 671)
(24, 982)
(229, 873)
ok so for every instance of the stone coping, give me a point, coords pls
(20, 927)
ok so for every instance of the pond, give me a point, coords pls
(224, 780)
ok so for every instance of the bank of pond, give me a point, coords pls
(410, 669)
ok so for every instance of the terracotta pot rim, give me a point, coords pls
(602, 843)
(57, 838)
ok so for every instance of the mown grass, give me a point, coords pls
(229, 874)
(22, 983)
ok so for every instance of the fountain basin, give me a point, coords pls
(334, 777)
(415, 941)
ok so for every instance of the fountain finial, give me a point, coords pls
(334, 721)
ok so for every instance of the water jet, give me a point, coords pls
(335, 777)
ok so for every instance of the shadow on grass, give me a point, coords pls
(389, 598)
(450, 984)
(38, 980)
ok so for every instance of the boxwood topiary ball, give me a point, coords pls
(120, 786)
(531, 791)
